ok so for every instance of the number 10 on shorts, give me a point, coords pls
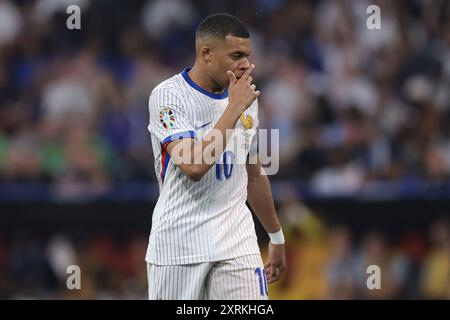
(263, 290)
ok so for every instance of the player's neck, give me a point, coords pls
(199, 79)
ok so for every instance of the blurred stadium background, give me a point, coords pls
(364, 119)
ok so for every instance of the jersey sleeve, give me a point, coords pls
(168, 116)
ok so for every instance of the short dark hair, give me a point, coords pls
(220, 25)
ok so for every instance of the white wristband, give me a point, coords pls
(277, 237)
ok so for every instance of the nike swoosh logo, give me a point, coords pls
(202, 126)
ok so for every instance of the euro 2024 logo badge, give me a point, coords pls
(167, 118)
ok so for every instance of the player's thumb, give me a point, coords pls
(231, 76)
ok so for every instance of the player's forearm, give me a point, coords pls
(215, 142)
(259, 196)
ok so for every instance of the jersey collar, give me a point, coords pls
(200, 89)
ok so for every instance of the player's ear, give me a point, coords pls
(205, 53)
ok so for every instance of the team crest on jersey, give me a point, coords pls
(167, 118)
(247, 121)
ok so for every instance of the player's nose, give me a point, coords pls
(245, 65)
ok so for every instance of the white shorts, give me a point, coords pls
(242, 278)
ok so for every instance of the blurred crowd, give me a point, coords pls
(324, 261)
(38, 267)
(337, 261)
(353, 105)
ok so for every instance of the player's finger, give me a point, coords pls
(247, 72)
(278, 273)
(272, 276)
(249, 79)
(268, 270)
(231, 76)
(253, 87)
(274, 273)
(272, 280)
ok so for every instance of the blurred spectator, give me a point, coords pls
(10, 22)
(89, 165)
(435, 282)
(394, 268)
(341, 279)
(159, 16)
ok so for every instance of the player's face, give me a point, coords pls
(231, 54)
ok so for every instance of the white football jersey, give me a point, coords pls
(207, 220)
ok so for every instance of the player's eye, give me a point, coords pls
(237, 56)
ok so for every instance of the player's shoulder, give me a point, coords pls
(168, 86)
(168, 94)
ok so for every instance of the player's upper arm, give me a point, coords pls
(170, 124)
